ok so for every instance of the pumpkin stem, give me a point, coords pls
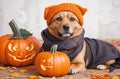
(15, 30)
(53, 49)
(18, 33)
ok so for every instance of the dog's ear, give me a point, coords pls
(46, 12)
(83, 10)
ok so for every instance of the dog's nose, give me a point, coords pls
(66, 27)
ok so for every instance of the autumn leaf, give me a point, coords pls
(115, 77)
(23, 71)
(14, 67)
(40, 77)
(96, 75)
(2, 68)
(15, 74)
(33, 77)
(107, 70)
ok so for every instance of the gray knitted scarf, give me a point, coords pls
(68, 46)
(97, 51)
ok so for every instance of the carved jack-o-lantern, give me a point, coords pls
(52, 63)
(18, 49)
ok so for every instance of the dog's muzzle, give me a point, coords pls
(65, 31)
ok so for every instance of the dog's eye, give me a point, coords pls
(59, 19)
(72, 19)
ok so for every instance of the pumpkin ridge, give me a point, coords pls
(54, 64)
(7, 51)
(62, 72)
(58, 60)
(6, 59)
(37, 44)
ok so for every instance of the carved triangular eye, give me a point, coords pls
(30, 47)
(12, 47)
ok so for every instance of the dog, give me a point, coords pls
(65, 24)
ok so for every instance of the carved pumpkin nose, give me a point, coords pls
(20, 55)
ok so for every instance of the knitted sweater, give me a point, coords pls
(98, 52)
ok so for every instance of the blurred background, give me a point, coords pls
(101, 21)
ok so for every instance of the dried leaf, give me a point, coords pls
(23, 71)
(115, 77)
(14, 67)
(40, 77)
(15, 74)
(97, 75)
(118, 75)
(33, 77)
(107, 70)
(2, 68)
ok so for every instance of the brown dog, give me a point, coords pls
(65, 25)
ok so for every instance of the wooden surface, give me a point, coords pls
(29, 72)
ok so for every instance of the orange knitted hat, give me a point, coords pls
(54, 9)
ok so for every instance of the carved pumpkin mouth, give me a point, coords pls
(27, 57)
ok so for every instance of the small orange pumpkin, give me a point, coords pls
(19, 48)
(52, 63)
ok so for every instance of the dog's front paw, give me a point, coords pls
(102, 67)
(71, 72)
(76, 68)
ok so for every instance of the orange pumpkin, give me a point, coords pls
(18, 49)
(52, 63)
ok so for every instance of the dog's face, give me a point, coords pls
(65, 25)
